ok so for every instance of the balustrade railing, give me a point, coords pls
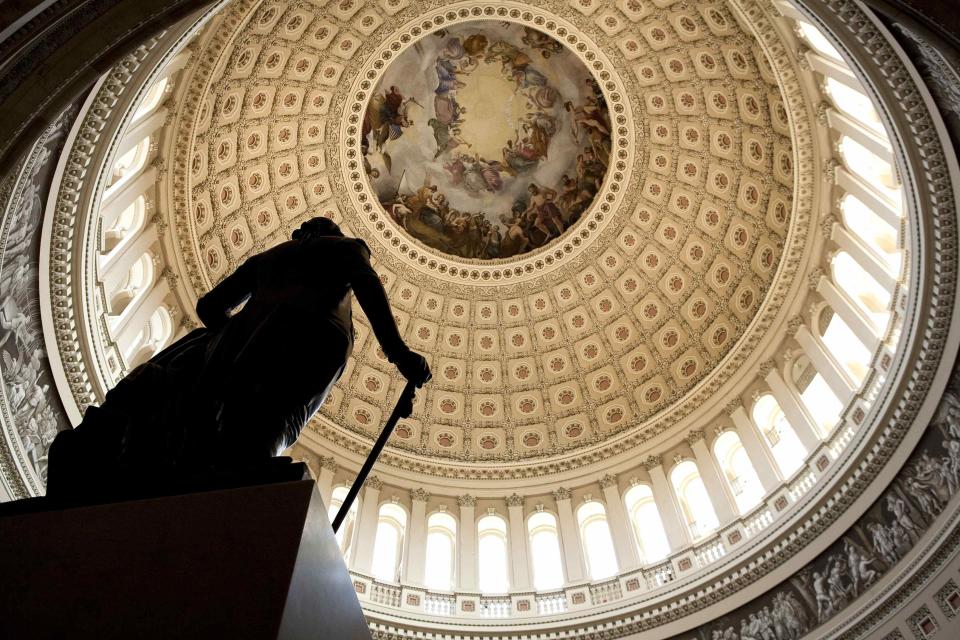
(658, 575)
(709, 552)
(603, 592)
(439, 604)
(495, 607)
(548, 603)
(386, 594)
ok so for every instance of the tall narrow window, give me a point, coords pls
(130, 163)
(128, 223)
(647, 525)
(388, 545)
(874, 170)
(545, 553)
(822, 403)
(844, 345)
(853, 104)
(151, 100)
(862, 288)
(493, 576)
(875, 232)
(597, 542)
(786, 447)
(738, 470)
(345, 533)
(441, 551)
(694, 500)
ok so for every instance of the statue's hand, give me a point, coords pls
(414, 367)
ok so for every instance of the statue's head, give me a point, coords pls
(316, 227)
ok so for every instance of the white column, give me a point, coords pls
(112, 272)
(328, 467)
(417, 540)
(620, 529)
(367, 521)
(518, 545)
(134, 186)
(724, 504)
(826, 365)
(674, 524)
(110, 212)
(861, 325)
(569, 537)
(798, 418)
(878, 202)
(865, 257)
(467, 551)
(140, 130)
(758, 450)
(836, 70)
(136, 316)
(869, 138)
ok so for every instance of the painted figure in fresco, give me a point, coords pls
(240, 390)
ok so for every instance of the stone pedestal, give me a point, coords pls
(249, 556)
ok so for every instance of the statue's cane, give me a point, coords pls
(403, 408)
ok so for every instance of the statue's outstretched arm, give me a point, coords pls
(214, 308)
(373, 300)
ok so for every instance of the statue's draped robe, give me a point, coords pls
(241, 389)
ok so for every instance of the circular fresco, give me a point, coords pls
(486, 140)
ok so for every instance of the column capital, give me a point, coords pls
(373, 482)
(813, 280)
(419, 494)
(466, 500)
(561, 493)
(765, 368)
(329, 463)
(608, 480)
(732, 406)
(653, 461)
(794, 324)
(515, 500)
(694, 436)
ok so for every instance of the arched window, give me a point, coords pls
(151, 100)
(597, 542)
(130, 163)
(128, 223)
(646, 523)
(853, 104)
(154, 337)
(139, 277)
(845, 346)
(345, 533)
(738, 470)
(441, 551)
(493, 576)
(873, 230)
(874, 170)
(545, 553)
(388, 545)
(862, 288)
(786, 447)
(694, 499)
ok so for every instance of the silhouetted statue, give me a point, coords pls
(240, 390)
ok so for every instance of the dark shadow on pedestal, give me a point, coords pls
(241, 554)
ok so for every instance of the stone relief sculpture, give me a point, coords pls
(33, 410)
(888, 531)
(277, 336)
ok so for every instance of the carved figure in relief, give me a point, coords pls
(240, 390)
